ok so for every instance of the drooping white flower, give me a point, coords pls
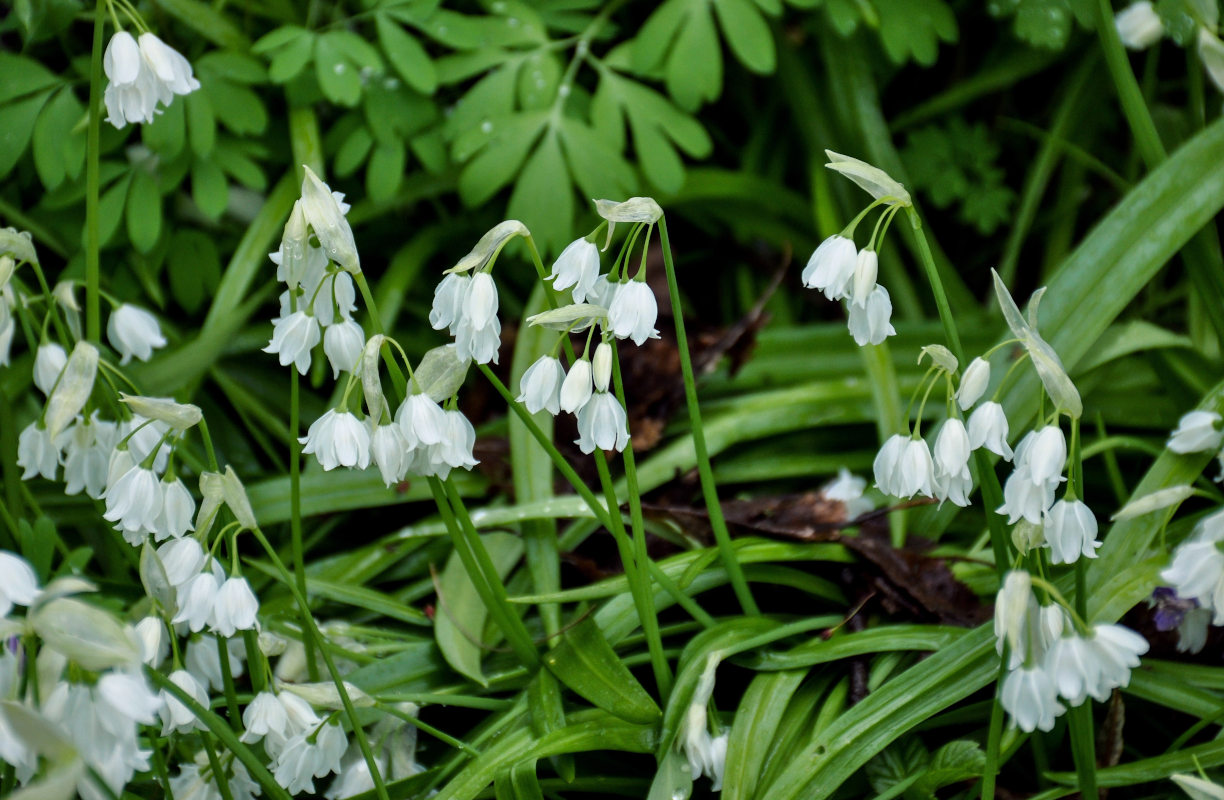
(143, 437)
(235, 608)
(1197, 432)
(1197, 568)
(915, 471)
(1014, 605)
(129, 695)
(169, 67)
(831, 267)
(326, 218)
(847, 489)
(973, 383)
(342, 344)
(1070, 531)
(1073, 667)
(458, 439)
(36, 453)
(48, 364)
(354, 777)
(633, 312)
(133, 331)
(1022, 498)
(869, 322)
(1139, 26)
(203, 660)
(952, 478)
(481, 345)
(577, 387)
(178, 509)
(18, 583)
(154, 646)
(421, 421)
(480, 301)
(1031, 698)
(87, 449)
(182, 559)
(577, 266)
(447, 307)
(265, 715)
(602, 423)
(1046, 455)
(602, 292)
(196, 600)
(988, 428)
(887, 462)
(1117, 650)
(540, 386)
(338, 439)
(131, 92)
(135, 501)
(293, 337)
(302, 760)
(389, 452)
(175, 716)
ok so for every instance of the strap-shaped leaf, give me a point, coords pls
(586, 663)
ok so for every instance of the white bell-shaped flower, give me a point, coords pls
(131, 92)
(1117, 650)
(953, 480)
(1031, 698)
(480, 301)
(37, 454)
(144, 436)
(887, 462)
(847, 489)
(263, 716)
(831, 267)
(135, 501)
(1015, 605)
(1073, 666)
(1139, 26)
(133, 331)
(602, 424)
(421, 421)
(293, 337)
(577, 387)
(916, 470)
(18, 583)
(483, 345)
(1046, 455)
(178, 509)
(196, 599)
(182, 559)
(973, 383)
(633, 312)
(389, 452)
(577, 266)
(448, 296)
(342, 344)
(988, 428)
(338, 439)
(176, 717)
(870, 322)
(87, 451)
(540, 386)
(172, 70)
(128, 695)
(203, 660)
(1196, 432)
(48, 364)
(458, 439)
(235, 608)
(1023, 498)
(154, 647)
(1070, 531)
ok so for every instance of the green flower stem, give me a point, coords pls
(425, 727)
(481, 571)
(725, 549)
(1083, 746)
(990, 771)
(650, 620)
(890, 418)
(93, 142)
(218, 771)
(295, 505)
(376, 323)
(597, 507)
(8, 462)
(61, 329)
(312, 631)
(227, 678)
(222, 731)
(639, 585)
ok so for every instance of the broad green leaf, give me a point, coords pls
(385, 172)
(241, 110)
(747, 34)
(232, 66)
(360, 597)
(897, 763)
(407, 55)
(538, 80)
(110, 208)
(207, 21)
(229, 157)
(956, 761)
(201, 123)
(59, 152)
(674, 780)
(586, 663)
(753, 729)
(891, 638)
(353, 153)
(913, 29)
(653, 42)
(209, 188)
(509, 140)
(144, 211)
(16, 125)
(281, 37)
(492, 98)
(289, 61)
(543, 197)
(461, 615)
(167, 134)
(338, 77)
(194, 268)
(696, 43)
(597, 168)
(23, 76)
(518, 782)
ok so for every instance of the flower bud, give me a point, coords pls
(973, 383)
(323, 214)
(601, 366)
(1139, 26)
(865, 271)
(73, 389)
(179, 416)
(577, 388)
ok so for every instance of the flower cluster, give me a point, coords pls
(141, 74)
(1055, 658)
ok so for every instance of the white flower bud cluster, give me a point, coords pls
(141, 74)
(842, 272)
(316, 261)
(1053, 659)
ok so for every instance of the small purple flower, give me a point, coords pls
(1169, 608)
